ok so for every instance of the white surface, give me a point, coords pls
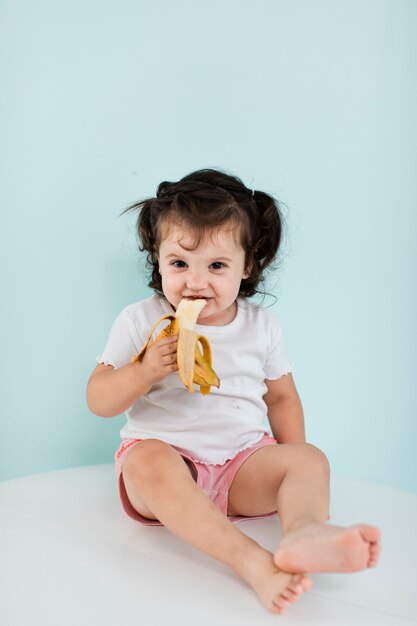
(69, 556)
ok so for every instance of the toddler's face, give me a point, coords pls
(213, 271)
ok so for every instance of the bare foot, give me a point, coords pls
(326, 548)
(276, 589)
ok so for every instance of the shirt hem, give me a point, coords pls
(289, 371)
(189, 454)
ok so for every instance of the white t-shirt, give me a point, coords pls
(212, 428)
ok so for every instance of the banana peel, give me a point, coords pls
(194, 364)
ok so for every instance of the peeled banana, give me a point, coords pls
(194, 365)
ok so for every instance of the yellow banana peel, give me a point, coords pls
(194, 365)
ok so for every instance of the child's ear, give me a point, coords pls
(247, 272)
(248, 265)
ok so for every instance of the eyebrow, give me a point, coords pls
(217, 258)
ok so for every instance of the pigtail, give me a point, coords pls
(267, 225)
(270, 229)
(165, 189)
(146, 230)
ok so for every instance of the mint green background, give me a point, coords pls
(314, 102)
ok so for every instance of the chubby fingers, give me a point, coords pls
(168, 345)
(168, 351)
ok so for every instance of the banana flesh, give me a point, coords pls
(194, 364)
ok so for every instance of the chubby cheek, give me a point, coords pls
(170, 283)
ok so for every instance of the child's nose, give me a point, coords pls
(196, 281)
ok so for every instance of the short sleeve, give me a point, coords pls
(123, 342)
(277, 362)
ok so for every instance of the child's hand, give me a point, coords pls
(160, 360)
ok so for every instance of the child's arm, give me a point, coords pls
(285, 412)
(111, 391)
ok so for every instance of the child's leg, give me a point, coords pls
(158, 481)
(295, 480)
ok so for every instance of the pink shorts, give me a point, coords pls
(214, 480)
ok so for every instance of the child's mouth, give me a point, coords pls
(196, 298)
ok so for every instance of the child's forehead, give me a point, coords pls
(226, 237)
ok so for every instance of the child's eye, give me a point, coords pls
(217, 265)
(178, 263)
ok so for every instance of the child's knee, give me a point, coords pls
(316, 457)
(150, 458)
(144, 455)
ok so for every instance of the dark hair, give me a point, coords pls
(208, 199)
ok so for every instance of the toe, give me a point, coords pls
(306, 583)
(280, 603)
(290, 596)
(374, 553)
(369, 533)
(296, 588)
(373, 561)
